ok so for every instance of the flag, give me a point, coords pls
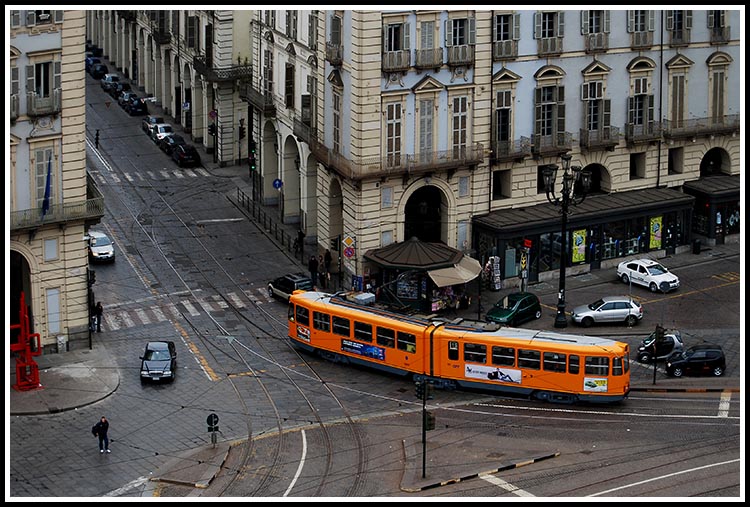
(45, 203)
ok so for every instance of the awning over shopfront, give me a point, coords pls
(466, 270)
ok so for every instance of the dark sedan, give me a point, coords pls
(186, 155)
(169, 143)
(159, 361)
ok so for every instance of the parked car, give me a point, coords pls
(169, 143)
(100, 247)
(149, 121)
(160, 130)
(136, 107)
(649, 273)
(515, 308)
(159, 361)
(609, 310)
(671, 343)
(91, 60)
(186, 155)
(125, 98)
(700, 359)
(98, 71)
(108, 81)
(283, 286)
(118, 88)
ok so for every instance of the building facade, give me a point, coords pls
(51, 200)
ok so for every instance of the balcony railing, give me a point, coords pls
(720, 35)
(597, 42)
(214, 74)
(92, 209)
(394, 61)
(551, 145)
(635, 133)
(550, 46)
(261, 101)
(641, 40)
(604, 138)
(41, 106)
(460, 55)
(334, 53)
(721, 125)
(504, 49)
(303, 128)
(13, 107)
(503, 151)
(429, 58)
(679, 37)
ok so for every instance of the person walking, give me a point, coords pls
(100, 430)
(99, 312)
(312, 265)
(327, 263)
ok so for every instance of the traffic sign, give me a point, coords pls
(523, 260)
(348, 252)
(212, 419)
(277, 184)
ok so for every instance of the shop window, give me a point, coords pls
(503, 356)
(362, 331)
(303, 315)
(597, 365)
(407, 342)
(386, 337)
(475, 353)
(554, 361)
(341, 326)
(529, 359)
(321, 321)
(637, 166)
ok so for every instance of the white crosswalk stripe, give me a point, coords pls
(236, 301)
(160, 317)
(190, 308)
(164, 174)
(202, 171)
(220, 301)
(128, 177)
(142, 316)
(178, 174)
(174, 311)
(190, 173)
(151, 175)
(208, 306)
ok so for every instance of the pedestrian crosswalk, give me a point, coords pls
(117, 319)
(141, 176)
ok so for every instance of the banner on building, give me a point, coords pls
(579, 246)
(655, 233)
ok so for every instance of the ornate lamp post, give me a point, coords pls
(569, 195)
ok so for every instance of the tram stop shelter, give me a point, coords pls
(423, 276)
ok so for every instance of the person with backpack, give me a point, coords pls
(100, 430)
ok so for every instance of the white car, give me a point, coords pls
(100, 247)
(160, 131)
(649, 273)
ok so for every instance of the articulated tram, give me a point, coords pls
(556, 367)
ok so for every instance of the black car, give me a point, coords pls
(117, 88)
(98, 71)
(91, 60)
(136, 107)
(159, 361)
(697, 360)
(186, 155)
(169, 143)
(671, 343)
(283, 286)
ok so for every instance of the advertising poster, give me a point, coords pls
(655, 235)
(579, 246)
(303, 334)
(492, 373)
(363, 350)
(594, 385)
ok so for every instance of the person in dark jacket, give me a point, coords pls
(99, 312)
(100, 430)
(312, 265)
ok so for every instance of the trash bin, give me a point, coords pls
(696, 246)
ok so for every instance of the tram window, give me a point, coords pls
(386, 337)
(554, 361)
(453, 351)
(290, 312)
(616, 366)
(529, 359)
(574, 365)
(322, 321)
(597, 365)
(362, 331)
(503, 356)
(341, 326)
(475, 352)
(407, 342)
(303, 315)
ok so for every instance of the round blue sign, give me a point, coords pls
(277, 183)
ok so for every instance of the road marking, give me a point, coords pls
(151, 175)
(190, 308)
(190, 173)
(160, 317)
(724, 402)
(111, 322)
(731, 276)
(220, 301)
(206, 305)
(142, 316)
(132, 484)
(202, 171)
(174, 311)
(164, 174)
(510, 488)
(301, 464)
(236, 301)
(128, 177)
(178, 174)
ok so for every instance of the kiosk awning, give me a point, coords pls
(464, 271)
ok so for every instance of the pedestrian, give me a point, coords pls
(328, 260)
(321, 271)
(99, 311)
(100, 430)
(92, 319)
(312, 265)
(301, 243)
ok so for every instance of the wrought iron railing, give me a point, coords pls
(40, 106)
(214, 73)
(510, 150)
(606, 137)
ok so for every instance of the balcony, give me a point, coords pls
(550, 46)
(720, 35)
(303, 128)
(679, 37)
(639, 40)
(506, 151)
(429, 58)
(160, 33)
(635, 134)
(212, 74)
(552, 145)
(43, 106)
(261, 101)
(13, 107)
(504, 50)
(689, 129)
(334, 54)
(603, 139)
(395, 61)
(90, 210)
(597, 42)
(460, 56)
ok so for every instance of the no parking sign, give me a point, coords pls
(348, 252)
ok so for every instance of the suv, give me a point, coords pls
(609, 310)
(698, 360)
(284, 286)
(100, 247)
(515, 308)
(648, 273)
(671, 343)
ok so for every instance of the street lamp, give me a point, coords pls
(569, 195)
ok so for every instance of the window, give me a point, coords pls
(549, 111)
(549, 23)
(341, 326)
(291, 24)
(270, 18)
(42, 158)
(596, 365)
(396, 37)
(362, 331)
(641, 26)
(463, 186)
(386, 337)
(462, 241)
(268, 72)
(679, 24)
(50, 249)
(426, 128)
(386, 197)
(617, 366)
(407, 342)
(303, 315)
(460, 32)
(453, 351)
(501, 185)
(192, 31)
(554, 361)
(546, 110)
(393, 134)
(322, 321)
(312, 29)
(459, 131)
(386, 238)
(503, 27)
(427, 35)
(335, 31)
(718, 102)
(475, 353)
(529, 359)
(638, 21)
(42, 79)
(503, 356)
(54, 313)
(574, 365)
(637, 165)
(336, 121)
(677, 100)
(549, 31)
(289, 86)
(595, 108)
(676, 160)
(43, 17)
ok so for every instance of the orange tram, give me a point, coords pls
(556, 367)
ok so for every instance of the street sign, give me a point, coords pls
(186, 106)
(277, 184)
(348, 252)
(212, 114)
(212, 419)
(524, 258)
(348, 241)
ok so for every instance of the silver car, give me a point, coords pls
(609, 310)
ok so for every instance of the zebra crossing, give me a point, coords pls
(143, 176)
(114, 320)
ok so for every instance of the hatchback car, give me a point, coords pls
(136, 107)
(100, 247)
(697, 360)
(125, 98)
(149, 121)
(108, 81)
(161, 130)
(515, 308)
(159, 361)
(186, 155)
(98, 70)
(671, 343)
(283, 286)
(169, 143)
(649, 273)
(609, 310)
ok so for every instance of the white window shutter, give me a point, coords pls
(584, 22)
(689, 19)
(449, 32)
(406, 37)
(561, 24)
(631, 21)
(30, 18)
(516, 26)
(606, 21)
(472, 31)
(537, 25)
(651, 21)
(58, 16)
